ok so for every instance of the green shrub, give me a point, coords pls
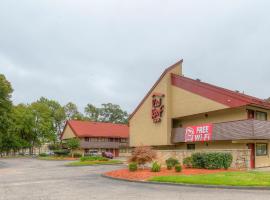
(133, 167)
(169, 166)
(188, 162)
(61, 152)
(43, 155)
(171, 162)
(198, 160)
(93, 158)
(178, 168)
(227, 161)
(214, 160)
(156, 167)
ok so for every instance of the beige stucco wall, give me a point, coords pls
(225, 115)
(68, 133)
(186, 103)
(142, 129)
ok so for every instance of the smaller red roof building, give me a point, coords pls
(98, 136)
(97, 129)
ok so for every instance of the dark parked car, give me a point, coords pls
(107, 155)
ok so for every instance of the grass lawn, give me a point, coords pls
(224, 178)
(96, 162)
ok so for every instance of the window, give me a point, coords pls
(190, 146)
(123, 140)
(257, 115)
(261, 115)
(86, 139)
(251, 114)
(261, 149)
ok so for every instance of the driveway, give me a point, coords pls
(30, 179)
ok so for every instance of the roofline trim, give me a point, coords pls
(153, 87)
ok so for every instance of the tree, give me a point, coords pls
(58, 114)
(143, 155)
(72, 112)
(107, 113)
(73, 144)
(5, 110)
(92, 112)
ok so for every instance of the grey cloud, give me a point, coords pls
(113, 51)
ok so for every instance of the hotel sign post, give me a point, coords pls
(201, 133)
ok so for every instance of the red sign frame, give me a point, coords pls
(201, 133)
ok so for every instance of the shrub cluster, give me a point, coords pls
(155, 167)
(61, 152)
(213, 160)
(171, 162)
(133, 167)
(43, 155)
(93, 158)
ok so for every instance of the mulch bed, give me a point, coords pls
(145, 174)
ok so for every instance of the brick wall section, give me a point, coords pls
(241, 158)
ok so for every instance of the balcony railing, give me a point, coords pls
(106, 145)
(234, 130)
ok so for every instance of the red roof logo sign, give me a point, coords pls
(157, 107)
(199, 133)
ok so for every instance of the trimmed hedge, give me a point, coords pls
(93, 158)
(61, 152)
(213, 160)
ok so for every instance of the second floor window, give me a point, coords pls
(252, 114)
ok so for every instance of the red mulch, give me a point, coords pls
(145, 174)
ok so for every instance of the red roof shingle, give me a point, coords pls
(98, 129)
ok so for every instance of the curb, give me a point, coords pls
(92, 165)
(189, 185)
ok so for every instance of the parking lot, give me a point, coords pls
(31, 179)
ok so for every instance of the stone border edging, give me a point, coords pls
(190, 185)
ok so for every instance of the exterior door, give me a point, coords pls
(251, 146)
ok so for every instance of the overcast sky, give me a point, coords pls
(113, 51)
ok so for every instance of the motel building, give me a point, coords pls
(98, 137)
(180, 115)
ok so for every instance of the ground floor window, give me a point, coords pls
(261, 149)
(190, 146)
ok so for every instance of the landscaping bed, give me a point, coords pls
(146, 174)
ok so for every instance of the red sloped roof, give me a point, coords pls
(224, 96)
(98, 129)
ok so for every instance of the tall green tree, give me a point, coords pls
(58, 114)
(72, 112)
(5, 110)
(106, 113)
(92, 113)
